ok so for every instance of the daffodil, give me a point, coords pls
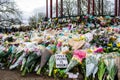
(55, 71)
(118, 44)
(82, 37)
(89, 50)
(110, 44)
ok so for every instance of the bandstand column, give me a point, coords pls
(50, 8)
(56, 8)
(93, 10)
(119, 9)
(88, 6)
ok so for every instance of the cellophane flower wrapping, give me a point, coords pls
(51, 64)
(92, 64)
(111, 68)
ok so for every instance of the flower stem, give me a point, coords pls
(39, 71)
(24, 72)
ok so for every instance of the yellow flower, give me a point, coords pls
(110, 44)
(118, 44)
(76, 39)
(82, 37)
(55, 71)
(89, 51)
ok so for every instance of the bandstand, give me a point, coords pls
(90, 4)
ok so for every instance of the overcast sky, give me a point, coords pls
(28, 6)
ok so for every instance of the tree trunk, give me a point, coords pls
(102, 11)
(61, 8)
(47, 8)
(98, 7)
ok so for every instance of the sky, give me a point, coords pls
(28, 7)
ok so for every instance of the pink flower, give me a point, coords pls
(85, 17)
(26, 38)
(116, 29)
(26, 50)
(99, 50)
(102, 23)
(79, 55)
(69, 27)
(59, 44)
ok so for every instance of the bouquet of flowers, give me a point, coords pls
(31, 60)
(77, 58)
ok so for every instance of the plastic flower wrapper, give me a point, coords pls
(111, 67)
(45, 55)
(64, 49)
(51, 64)
(92, 64)
(101, 69)
(89, 37)
(20, 57)
(16, 53)
(77, 58)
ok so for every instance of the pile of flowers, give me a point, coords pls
(90, 52)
